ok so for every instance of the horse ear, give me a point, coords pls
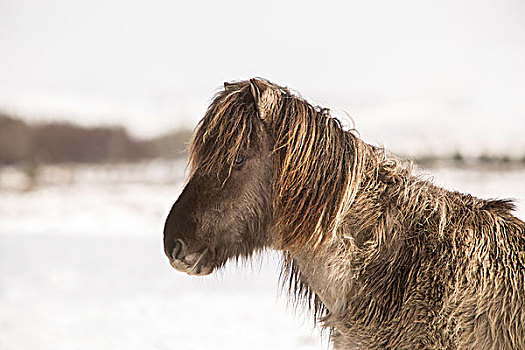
(264, 97)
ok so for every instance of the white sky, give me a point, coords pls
(396, 66)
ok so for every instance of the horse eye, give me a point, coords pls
(238, 161)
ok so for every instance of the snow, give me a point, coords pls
(82, 266)
(79, 292)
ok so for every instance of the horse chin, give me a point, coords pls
(201, 271)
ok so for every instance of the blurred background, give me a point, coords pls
(98, 100)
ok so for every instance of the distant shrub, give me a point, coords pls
(15, 140)
(60, 142)
(171, 145)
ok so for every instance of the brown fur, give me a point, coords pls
(389, 260)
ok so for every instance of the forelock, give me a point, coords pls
(229, 127)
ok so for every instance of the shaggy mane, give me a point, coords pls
(318, 164)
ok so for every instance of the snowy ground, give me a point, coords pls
(82, 267)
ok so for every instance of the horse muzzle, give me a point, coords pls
(197, 264)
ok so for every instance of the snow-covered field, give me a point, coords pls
(82, 266)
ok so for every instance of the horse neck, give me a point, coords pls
(332, 271)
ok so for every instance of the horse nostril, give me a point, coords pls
(178, 250)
